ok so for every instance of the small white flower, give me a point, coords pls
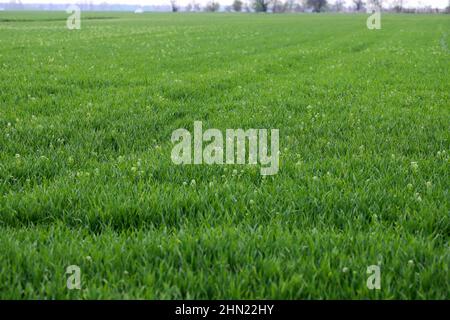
(409, 186)
(414, 165)
(345, 270)
(193, 182)
(429, 184)
(410, 262)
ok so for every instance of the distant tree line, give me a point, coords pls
(274, 6)
(280, 6)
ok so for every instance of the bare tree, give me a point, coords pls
(299, 6)
(317, 5)
(174, 5)
(338, 5)
(193, 6)
(359, 4)
(212, 6)
(237, 5)
(261, 5)
(290, 5)
(398, 5)
(375, 3)
(278, 6)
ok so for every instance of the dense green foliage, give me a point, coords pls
(86, 177)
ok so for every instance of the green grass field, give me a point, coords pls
(86, 177)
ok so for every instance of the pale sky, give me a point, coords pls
(407, 3)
